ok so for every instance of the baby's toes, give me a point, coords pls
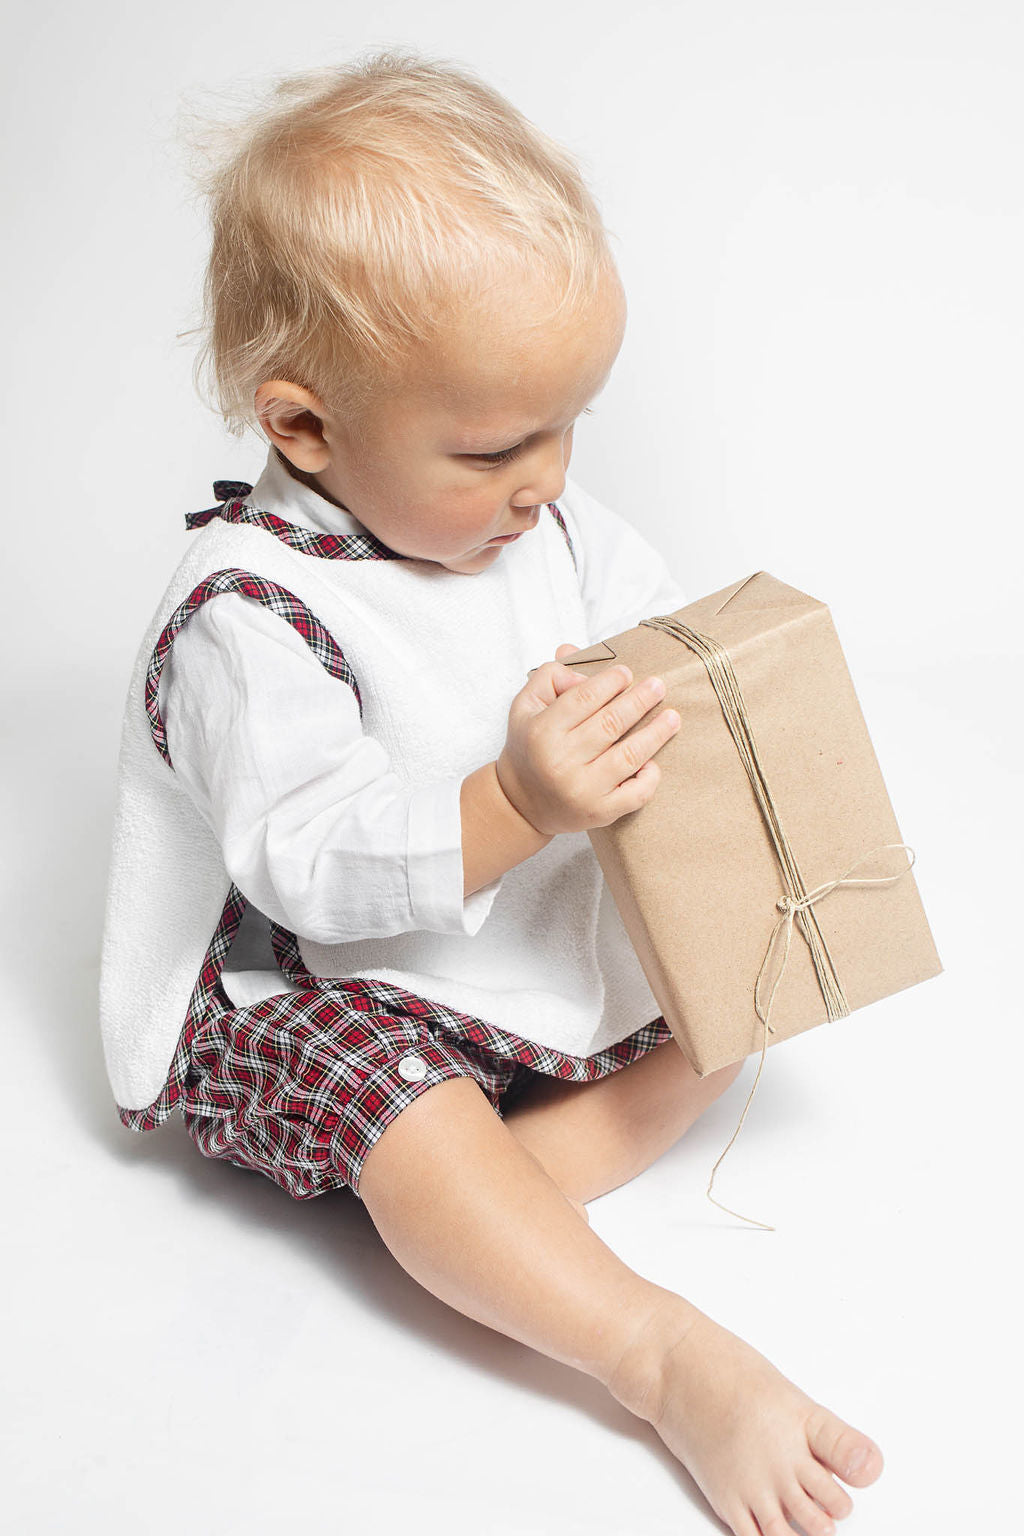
(845, 1451)
(826, 1490)
(740, 1521)
(772, 1520)
(808, 1516)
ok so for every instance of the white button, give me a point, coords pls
(412, 1068)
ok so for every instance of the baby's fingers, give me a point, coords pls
(627, 762)
(584, 694)
(564, 677)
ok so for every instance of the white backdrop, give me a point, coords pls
(818, 214)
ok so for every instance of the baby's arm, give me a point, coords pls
(317, 829)
(495, 837)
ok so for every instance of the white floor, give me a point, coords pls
(188, 1349)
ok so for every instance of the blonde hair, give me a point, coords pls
(356, 207)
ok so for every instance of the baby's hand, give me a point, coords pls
(562, 765)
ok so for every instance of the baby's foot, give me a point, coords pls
(761, 1451)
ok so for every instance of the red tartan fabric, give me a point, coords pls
(207, 982)
(300, 1086)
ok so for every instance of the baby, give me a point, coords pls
(355, 927)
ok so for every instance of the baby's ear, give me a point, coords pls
(292, 418)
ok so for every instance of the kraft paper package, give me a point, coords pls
(765, 887)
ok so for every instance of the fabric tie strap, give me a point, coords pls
(796, 900)
(225, 491)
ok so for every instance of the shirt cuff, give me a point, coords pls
(434, 863)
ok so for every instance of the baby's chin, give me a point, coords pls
(473, 563)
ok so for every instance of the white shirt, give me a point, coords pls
(317, 830)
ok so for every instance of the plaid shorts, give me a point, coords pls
(300, 1086)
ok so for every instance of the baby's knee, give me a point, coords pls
(725, 1075)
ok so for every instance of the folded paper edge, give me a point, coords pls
(738, 589)
(784, 595)
(607, 654)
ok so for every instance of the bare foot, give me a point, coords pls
(760, 1450)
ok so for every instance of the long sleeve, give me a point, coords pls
(623, 578)
(316, 828)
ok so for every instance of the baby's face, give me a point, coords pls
(478, 438)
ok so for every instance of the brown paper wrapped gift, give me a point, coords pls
(743, 826)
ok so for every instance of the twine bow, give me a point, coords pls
(789, 905)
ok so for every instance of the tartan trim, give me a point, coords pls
(285, 945)
(279, 600)
(206, 986)
(463, 1027)
(560, 520)
(233, 508)
(325, 546)
(284, 603)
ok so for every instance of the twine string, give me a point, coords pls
(789, 905)
(797, 901)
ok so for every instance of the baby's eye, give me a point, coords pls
(505, 455)
(501, 458)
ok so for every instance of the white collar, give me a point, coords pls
(278, 492)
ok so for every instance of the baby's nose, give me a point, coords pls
(547, 485)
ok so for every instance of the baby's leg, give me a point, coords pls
(592, 1137)
(472, 1215)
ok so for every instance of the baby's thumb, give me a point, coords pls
(561, 682)
(545, 683)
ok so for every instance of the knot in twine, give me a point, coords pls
(789, 905)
